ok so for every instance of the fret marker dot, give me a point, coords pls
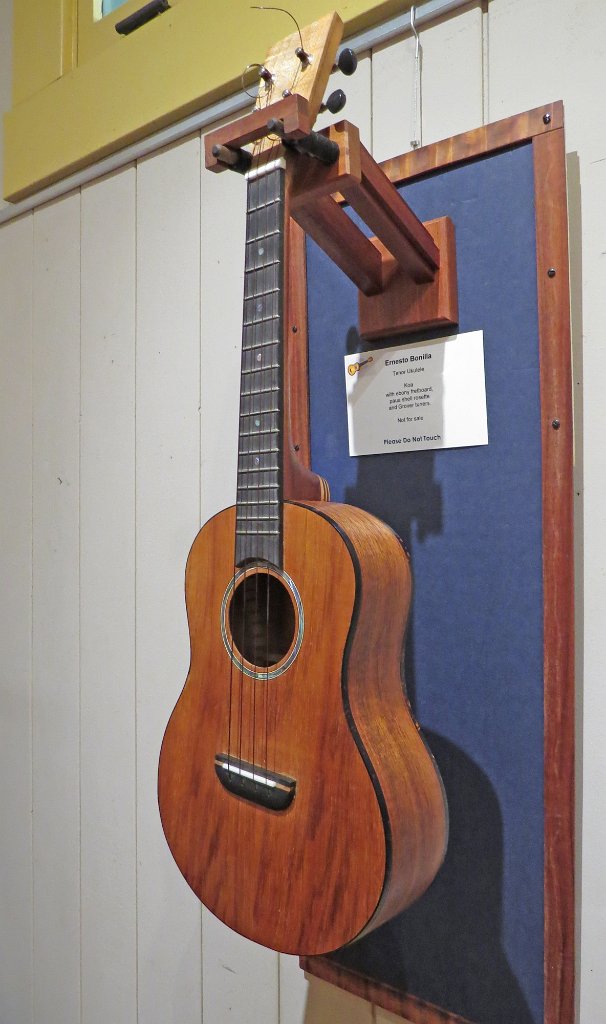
(261, 250)
(257, 460)
(259, 307)
(257, 423)
(259, 357)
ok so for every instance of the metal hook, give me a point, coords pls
(415, 142)
(413, 29)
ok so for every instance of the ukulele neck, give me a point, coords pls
(260, 442)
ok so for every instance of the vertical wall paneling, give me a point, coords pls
(393, 98)
(592, 827)
(293, 991)
(562, 54)
(452, 74)
(540, 39)
(15, 614)
(167, 517)
(223, 205)
(107, 601)
(56, 726)
(240, 978)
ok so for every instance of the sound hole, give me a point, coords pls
(262, 619)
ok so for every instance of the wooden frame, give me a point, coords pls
(543, 127)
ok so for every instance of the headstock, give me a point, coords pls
(291, 86)
(302, 63)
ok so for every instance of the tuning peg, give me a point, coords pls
(347, 61)
(335, 102)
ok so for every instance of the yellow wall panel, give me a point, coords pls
(180, 62)
(43, 44)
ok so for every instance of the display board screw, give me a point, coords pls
(546, 118)
(555, 424)
(551, 272)
(294, 328)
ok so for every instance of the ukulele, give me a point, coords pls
(296, 793)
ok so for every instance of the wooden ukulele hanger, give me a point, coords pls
(406, 274)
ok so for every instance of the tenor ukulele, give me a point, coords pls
(297, 795)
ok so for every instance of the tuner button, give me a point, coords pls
(347, 61)
(335, 102)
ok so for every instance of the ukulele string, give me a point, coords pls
(261, 222)
(258, 337)
(269, 507)
(237, 743)
(255, 508)
(264, 507)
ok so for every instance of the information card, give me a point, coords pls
(431, 395)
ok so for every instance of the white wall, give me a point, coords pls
(119, 333)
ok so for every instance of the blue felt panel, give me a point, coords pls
(471, 519)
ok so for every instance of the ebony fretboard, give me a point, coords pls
(259, 496)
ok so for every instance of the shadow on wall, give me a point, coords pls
(458, 961)
(447, 947)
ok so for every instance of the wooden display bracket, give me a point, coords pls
(406, 274)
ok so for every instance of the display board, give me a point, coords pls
(488, 661)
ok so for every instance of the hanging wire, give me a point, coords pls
(257, 7)
(415, 142)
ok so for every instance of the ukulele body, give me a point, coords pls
(332, 818)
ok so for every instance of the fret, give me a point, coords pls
(258, 433)
(260, 501)
(257, 391)
(262, 294)
(258, 469)
(263, 206)
(262, 519)
(258, 451)
(254, 487)
(259, 412)
(261, 266)
(257, 533)
(246, 489)
(261, 319)
(262, 369)
(260, 344)
(264, 234)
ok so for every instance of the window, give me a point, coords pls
(107, 6)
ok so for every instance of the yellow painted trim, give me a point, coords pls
(180, 62)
